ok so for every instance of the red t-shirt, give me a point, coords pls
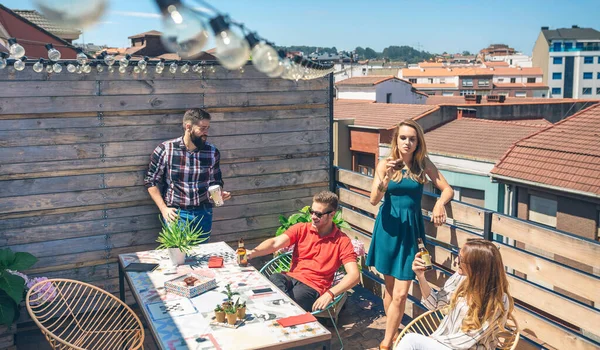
(315, 260)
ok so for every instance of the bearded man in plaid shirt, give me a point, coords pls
(182, 169)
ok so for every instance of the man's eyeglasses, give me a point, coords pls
(318, 214)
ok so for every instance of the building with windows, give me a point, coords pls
(570, 61)
(380, 89)
(553, 182)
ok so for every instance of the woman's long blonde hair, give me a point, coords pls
(416, 170)
(485, 286)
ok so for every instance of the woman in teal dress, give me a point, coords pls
(399, 181)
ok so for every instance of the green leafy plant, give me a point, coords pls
(229, 293)
(230, 310)
(219, 308)
(304, 216)
(239, 305)
(181, 234)
(12, 286)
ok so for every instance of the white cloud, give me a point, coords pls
(136, 14)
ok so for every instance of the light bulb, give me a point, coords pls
(111, 69)
(86, 69)
(49, 68)
(287, 68)
(124, 62)
(57, 68)
(196, 68)
(213, 69)
(71, 68)
(242, 70)
(160, 66)
(231, 50)
(16, 50)
(122, 69)
(78, 70)
(38, 66)
(99, 67)
(264, 57)
(3, 62)
(109, 60)
(143, 63)
(277, 71)
(72, 13)
(183, 31)
(185, 68)
(20, 63)
(82, 58)
(53, 54)
(173, 68)
(136, 69)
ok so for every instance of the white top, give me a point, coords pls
(449, 332)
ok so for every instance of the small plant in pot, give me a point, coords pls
(229, 293)
(231, 315)
(179, 237)
(13, 284)
(241, 309)
(219, 314)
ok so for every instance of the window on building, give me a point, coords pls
(520, 93)
(447, 93)
(597, 91)
(598, 227)
(598, 76)
(388, 98)
(430, 80)
(568, 46)
(579, 46)
(542, 210)
(472, 196)
(467, 92)
(588, 59)
(530, 80)
(587, 91)
(557, 60)
(556, 76)
(588, 75)
(467, 82)
(557, 46)
(513, 80)
(431, 93)
(500, 80)
(414, 81)
(483, 82)
(442, 81)
(556, 91)
(365, 163)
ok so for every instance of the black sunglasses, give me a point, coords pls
(318, 213)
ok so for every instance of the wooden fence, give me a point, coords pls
(548, 317)
(74, 149)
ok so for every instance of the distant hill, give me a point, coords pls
(392, 53)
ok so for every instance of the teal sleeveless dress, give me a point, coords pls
(397, 227)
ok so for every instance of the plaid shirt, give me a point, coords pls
(183, 175)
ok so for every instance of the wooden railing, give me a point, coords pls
(556, 305)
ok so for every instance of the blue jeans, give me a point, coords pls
(204, 216)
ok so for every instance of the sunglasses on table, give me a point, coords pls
(318, 214)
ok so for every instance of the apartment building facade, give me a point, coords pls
(570, 61)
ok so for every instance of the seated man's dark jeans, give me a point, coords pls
(302, 294)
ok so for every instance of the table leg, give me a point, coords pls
(121, 283)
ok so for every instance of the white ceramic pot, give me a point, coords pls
(177, 256)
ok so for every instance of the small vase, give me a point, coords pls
(220, 316)
(241, 313)
(231, 318)
(177, 256)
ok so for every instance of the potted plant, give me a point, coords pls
(229, 293)
(241, 309)
(179, 237)
(231, 314)
(219, 314)
(12, 283)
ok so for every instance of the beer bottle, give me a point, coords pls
(241, 253)
(425, 254)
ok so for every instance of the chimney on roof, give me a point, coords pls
(491, 68)
(449, 69)
(574, 26)
(545, 28)
(422, 69)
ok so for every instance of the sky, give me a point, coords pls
(435, 25)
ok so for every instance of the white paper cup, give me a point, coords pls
(215, 194)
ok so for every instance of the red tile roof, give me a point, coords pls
(565, 155)
(378, 115)
(369, 80)
(470, 71)
(521, 85)
(496, 64)
(149, 33)
(460, 100)
(480, 139)
(436, 86)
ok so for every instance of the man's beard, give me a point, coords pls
(198, 141)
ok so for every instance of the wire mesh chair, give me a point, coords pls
(282, 263)
(77, 315)
(428, 322)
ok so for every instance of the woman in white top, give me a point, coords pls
(478, 300)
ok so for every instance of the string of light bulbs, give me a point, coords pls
(184, 32)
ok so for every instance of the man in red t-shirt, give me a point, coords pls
(320, 248)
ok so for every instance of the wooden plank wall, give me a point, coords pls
(549, 318)
(74, 150)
